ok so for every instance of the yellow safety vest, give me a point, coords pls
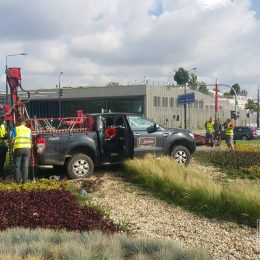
(229, 131)
(22, 138)
(2, 135)
(210, 127)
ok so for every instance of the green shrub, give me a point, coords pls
(41, 184)
(243, 164)
(239, 201)
(48, 244)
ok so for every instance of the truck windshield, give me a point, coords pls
(139, 123)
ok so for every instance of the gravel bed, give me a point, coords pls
(212, 171)
(150, 217)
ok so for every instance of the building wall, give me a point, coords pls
(161, 109)
(156, 102)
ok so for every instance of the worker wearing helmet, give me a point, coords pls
(21, 143)
(3, 146)
(229, 133)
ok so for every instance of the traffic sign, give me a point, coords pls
(187, 98)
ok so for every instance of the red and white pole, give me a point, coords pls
(216, 101)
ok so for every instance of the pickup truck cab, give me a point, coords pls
(110, 138)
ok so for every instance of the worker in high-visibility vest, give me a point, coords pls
(209, 126)
(229, 133)
(3, 146)
(21, 144)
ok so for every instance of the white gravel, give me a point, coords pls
(151, 217)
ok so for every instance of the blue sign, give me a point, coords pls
(187, 98)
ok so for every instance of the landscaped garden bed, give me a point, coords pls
(49, 204)
(238, 200)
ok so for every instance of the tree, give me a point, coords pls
(243, 93)
(236, 88)
(181, 76)
(112, 84)
(251, 105)
(203, 87)
(193, 81)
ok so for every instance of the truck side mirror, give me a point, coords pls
(153, 128)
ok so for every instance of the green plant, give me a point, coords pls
(19, 243)
(41, 184)
(243, 164)
(239, 201)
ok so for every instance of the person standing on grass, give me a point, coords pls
(21, 144)
(209, 126)
(3, 146)
(229, 133)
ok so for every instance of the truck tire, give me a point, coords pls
(80, 166)
(181, 154)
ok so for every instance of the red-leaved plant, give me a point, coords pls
(55, 209)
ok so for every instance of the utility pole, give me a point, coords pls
(216, 102)
(185, 108)
(257, 115)
(60, 96)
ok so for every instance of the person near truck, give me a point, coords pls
(21, 144)
(217, 131)
(3, 146)
(229, 133)
(209, 126)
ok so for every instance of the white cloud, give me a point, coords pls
(94, 42)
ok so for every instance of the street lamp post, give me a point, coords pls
(6, 69)
(60, 96)
(258, 109)
(185, 104)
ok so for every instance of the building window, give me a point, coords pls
(156, 101)
(171, 102)
(196, 104)
(200, 103)
(165, 101)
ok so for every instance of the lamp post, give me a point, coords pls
(6, 69)
(258, 108)
(60, 96)
(185, 104)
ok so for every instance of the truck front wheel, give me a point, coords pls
(181, 154)
(80, 166)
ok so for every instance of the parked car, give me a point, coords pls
(245, 133)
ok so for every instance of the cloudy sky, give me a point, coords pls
(94, 42)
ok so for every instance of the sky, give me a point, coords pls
(95, 42)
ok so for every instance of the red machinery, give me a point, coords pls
(17, 110)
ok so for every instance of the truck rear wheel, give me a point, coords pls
(80, 166)
(181, 154)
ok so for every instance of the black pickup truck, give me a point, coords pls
(111, 138)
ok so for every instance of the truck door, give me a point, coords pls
(147, 138)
